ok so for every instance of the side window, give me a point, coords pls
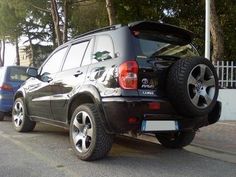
(54, 63)
(103, 49)
(88, 54)
(75, 55)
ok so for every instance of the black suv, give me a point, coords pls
(138, 78)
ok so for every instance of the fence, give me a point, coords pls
(226, 71)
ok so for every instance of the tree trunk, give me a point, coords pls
(31, 46)
(65, 27)
(17, 52)
(110, 11)
(55, 17)
(217, 35)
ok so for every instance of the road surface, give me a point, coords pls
(46, 152)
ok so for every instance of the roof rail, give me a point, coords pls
(107, 28)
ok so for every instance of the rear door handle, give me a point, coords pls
(78, 73)
(49, 80)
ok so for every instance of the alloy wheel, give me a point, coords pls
(18, 114)
(201, 86)
(82, 131)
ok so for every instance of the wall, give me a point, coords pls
(228, 99)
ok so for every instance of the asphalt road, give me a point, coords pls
(46, 152)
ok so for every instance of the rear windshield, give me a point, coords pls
(152, 44)
(17, 74)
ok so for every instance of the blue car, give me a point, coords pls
(11, 78)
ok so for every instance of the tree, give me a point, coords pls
(194, 20)
(56, 20)
(136, 10)
(217, 35)
(2, 52)
(226, 12)
(84, 16)
(110, 12)
(33, 23)
(10, 28)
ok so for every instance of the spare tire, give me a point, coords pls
(192, 86)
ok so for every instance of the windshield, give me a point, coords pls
(150, 45)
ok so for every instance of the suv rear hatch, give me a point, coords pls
(157, 47)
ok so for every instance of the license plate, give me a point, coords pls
(159, 125)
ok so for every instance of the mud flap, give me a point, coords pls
(215, 114)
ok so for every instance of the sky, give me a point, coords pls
(10, 55)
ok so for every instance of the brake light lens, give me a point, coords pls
(6, 87)
(128, 75)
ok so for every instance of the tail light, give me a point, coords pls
(6, 87)
(128, 75)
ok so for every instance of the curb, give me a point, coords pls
(213, 149)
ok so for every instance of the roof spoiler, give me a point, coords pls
(165, 28)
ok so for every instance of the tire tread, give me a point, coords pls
(103, 141)
(177, 86)
(27, 125)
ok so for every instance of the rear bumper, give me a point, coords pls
(119, 110)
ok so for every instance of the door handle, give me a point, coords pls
(49, 79)
(78, 73)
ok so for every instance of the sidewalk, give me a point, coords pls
(220, 137)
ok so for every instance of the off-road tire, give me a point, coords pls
(2, 114)
(175, 139)
(20, 120)
(181, 93)
(99, 142)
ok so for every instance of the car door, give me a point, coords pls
(72, 76)
(39, 89)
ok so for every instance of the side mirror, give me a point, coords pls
(32, 72)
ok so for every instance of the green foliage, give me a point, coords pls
(189, 14)
(85, 15)
(136, 10)
(41, 53)
(10, 27)
(226, 10)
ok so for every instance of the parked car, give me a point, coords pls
(142, 77)
(11, 77)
